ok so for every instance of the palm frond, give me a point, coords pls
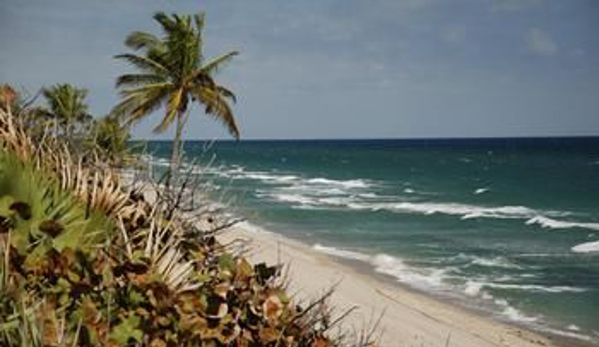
(145, 64)
(135, 101)
(167, 23)
(216, 64)
(146, 88)
(176, 104)
(134, 80)
(141, 40)
(226, 93)
(218, 108)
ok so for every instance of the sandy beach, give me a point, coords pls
(408, 318)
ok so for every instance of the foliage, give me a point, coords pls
(65, 118)
(9, 98)
(84, 262)
(110, 139)
(66, 109)
(173, 73)
(30, 118)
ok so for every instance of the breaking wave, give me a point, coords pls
(393, 266)
(549, 223)
(586, 247)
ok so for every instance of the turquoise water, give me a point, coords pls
(509, 226)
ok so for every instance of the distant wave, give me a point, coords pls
(341, 253)
(481, 191)
(343, 199)
(549, 223)
(473, 288)
(514, 314)
(317, 193)
(357, 183)
(586, 247)
(393, 266)
(498, 261)
(457, 209)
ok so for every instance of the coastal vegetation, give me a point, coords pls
(87, 260)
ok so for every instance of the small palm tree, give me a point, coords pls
(110, 138)
(173, 73)
(66, 107)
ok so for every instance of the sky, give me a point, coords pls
(339, 68)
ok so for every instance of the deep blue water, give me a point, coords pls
(506, 225)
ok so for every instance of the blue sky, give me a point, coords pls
(341, 68)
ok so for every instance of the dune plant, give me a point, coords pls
(9, 98)
(87, 262)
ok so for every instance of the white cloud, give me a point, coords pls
(516, 5)
(541, 42)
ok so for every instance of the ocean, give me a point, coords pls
(504, 226)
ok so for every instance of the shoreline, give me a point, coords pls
(411, 317)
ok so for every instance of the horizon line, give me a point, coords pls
(538, 137)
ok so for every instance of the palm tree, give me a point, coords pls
(172, 73)
(110, 138)
(67, 108)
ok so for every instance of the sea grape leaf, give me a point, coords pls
(268, 335)
(22, 209)
(226, 262)
(264, 272)
(126, 330)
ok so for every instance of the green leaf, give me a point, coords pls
(226, 262)
(126, 330)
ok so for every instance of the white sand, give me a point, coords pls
(410, 319)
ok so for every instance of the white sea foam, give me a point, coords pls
(160, 162)
(573, 327)
(549, 223)
(535, 288)
(586, 247)
(419, 278)
(512, 313)
(495, 262)
(295, 198)
(481, 191)
(473, 288)
(357, 183)
(313, 190)
(570, 334)
(269, 178)
(309, 196)
(342, 253)
(393, 266)
(456, 209)
(498, 262)
(517, 316)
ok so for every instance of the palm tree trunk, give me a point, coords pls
(176, 151)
